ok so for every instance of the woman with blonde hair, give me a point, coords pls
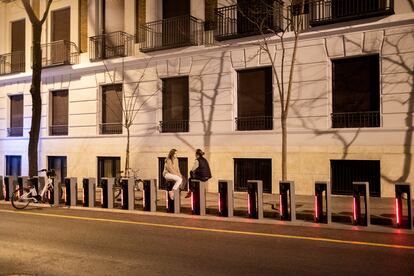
(172, 171)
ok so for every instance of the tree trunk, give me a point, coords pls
(35, 91)
(284, 146)
(127, 154)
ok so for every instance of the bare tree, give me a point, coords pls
(131, 103)
(278, 19)
(35, 87)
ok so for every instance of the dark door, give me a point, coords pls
(60, 51)
(182, 164)
(59, 113)
(18, 46)
(59, 164)
(252, 169)
(344, 172)
(13, 165)
(254, 13)
(108, 167)
(176, 26)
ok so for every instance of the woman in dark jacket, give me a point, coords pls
(200, 171)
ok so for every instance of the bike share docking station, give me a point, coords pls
(225, 201)
(361, 189)
(71, 191)
(287, 200)
(107, 194)
(89, 190)
(323, 213)
(402, 189)
(198, 197)
(149, 195)
(22, 182)
(128, 193)
(172, 205)
(255, 199)
(9, 187)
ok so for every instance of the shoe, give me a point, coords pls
(171, 194)
(188, 195)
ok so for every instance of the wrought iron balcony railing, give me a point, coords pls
(57, 130)
(174, 126)
(254, 123)
(60, 52)
(110, 128)
(236, 21)
(169, 33)
(356, 119)
(12, 63)
(332, 11)
(15, 131)
(111, 45)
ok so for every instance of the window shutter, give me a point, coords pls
(83, 25)
(210, 15)
(16, 111)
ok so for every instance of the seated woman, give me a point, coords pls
(172, 172)
(200, 171)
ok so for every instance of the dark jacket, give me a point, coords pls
(203, 171)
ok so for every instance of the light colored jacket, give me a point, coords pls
(171, 167)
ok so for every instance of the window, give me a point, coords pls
(59, 106)
(108, 167)
(18, 46)
(16, 116)
(140, 8)
(252, 169)
(209, 14)
(111, 109)
(60, 37)
(344, 172)
(59, 164)
(113, 15)
(175, 102)
(182, 164)
(296, 7)
(255, 99)
(13, 165)
(355, 92)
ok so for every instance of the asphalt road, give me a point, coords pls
(73, 242)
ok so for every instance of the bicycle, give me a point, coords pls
(138, 182)
(22, 197)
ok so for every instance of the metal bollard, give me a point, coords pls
(9, 187)
(2, 188)
(287, 200)
(255, 199)
(71, 191)
(172, 206)
(128, 193)
(89, 190)
(361, 189)
(149, 195)
(400, 190)
(322, 203)
(198, 197)
(107, 194)
(22, 183)
(225, 201)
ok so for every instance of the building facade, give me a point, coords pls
(196, 77)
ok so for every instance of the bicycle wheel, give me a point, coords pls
(21, 201)
(117, 192)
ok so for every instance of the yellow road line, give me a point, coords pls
(215, 230)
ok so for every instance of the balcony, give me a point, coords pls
(15, 131)
(58, 130)
(237, 21)
(60, 52)
(356, 119)
(333, 11)
(174, 126)
(170, 33)
(254, 123)
(110, 128)
(12, 63)
(111, 45)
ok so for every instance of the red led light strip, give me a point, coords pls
(316, 207)
(355, 215)
(397, 210)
